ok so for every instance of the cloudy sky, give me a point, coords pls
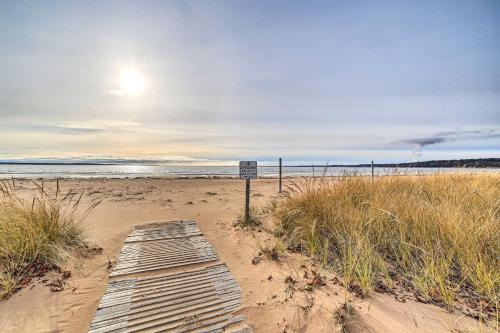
(338, 81)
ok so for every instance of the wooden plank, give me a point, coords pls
(197, 300)
(168, 306)
(171, 230)
(164, 253)
(160, 266)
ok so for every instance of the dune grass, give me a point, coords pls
(437, 236)
(254, 218)
(36, 235)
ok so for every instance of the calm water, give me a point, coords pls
(122, 171)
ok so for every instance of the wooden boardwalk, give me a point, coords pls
(154, 255)
(194, 300)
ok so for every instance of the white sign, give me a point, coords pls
(248, 169)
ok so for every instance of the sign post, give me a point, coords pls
(372, 171)
(248, 170)
(280, 171)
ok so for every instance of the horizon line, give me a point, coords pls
(326, 165)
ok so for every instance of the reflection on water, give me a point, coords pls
(122, 171)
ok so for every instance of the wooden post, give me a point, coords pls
(248, 170)
(280, 176)
(247, 201)
(372, 172)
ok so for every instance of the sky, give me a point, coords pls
(219, 81)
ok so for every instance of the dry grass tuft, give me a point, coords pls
(437, 236)
(36, 235)
(343, 315)
(274, 251)
(254, 219)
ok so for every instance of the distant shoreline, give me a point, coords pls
(56, 163)
(462, 163)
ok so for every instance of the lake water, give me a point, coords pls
(132, 171)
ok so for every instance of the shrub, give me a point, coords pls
(36, 235)
(439, 235)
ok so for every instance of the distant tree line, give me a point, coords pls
(465, 163)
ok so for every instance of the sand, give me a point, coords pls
(275, 294)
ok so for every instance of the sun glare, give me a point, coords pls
(132, 81)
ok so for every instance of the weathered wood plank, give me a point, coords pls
(198, 300)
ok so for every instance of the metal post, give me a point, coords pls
(372, 171)
(280, 176)
(247, 201)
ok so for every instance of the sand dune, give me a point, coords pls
(276, 295)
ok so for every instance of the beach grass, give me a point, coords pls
(254, 218)
(37, 234)
(437, 236)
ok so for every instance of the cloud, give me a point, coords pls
(468, 134)
(54, 128)
(426, 141)
(448, 136)
(121, 92)
(118, 92)
(72, 128)
(97, 125)
(152, 159)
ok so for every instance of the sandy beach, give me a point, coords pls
(269, 304)
(132, 131)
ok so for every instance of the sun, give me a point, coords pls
(132, 81)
